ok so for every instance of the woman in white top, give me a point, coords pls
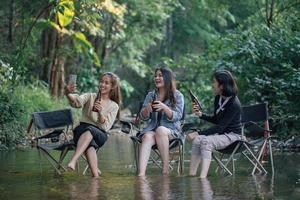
(91, 134)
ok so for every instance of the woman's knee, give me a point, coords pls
(148, 137)
(162, 131)
(197, 140)
(206, 144)
(87, 135)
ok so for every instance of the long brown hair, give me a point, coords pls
(115, 92)
(170, 84)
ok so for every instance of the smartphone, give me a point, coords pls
(195, 99)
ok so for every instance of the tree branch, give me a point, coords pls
(33, 24)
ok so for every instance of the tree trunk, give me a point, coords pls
(49, 37)
(11, 21)
(57, 77)
(270, 12)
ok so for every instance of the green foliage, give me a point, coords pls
(266, 63)
(65, 12)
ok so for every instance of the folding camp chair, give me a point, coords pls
(259, 137)
(176, 145)
(48, 127)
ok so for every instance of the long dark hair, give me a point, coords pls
(170, 84)
(225, 78)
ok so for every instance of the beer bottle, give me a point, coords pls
(97, 98)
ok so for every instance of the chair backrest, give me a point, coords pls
(255, 113)
(252, 114)
(52, 119)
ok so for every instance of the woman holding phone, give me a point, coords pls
(226, 119)
(99, 112)
(164, 107)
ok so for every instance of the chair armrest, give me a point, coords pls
(254, 126)
(126, 126)
(187, 126)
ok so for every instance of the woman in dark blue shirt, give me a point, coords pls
(226, 119)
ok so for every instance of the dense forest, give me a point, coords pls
(46, 40)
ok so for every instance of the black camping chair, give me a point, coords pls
(176, 145)
(256, 135)
(48, 127)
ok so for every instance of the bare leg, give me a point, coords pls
(206, 151)
(91, 156)
(204, 168)
(162, 141)
(82, 144)
(195, 156)
(195, 161)
(145, 150)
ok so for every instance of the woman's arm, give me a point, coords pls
(175, 113)
(105, 121)
(72, 98)
(227, 116)
(210, 118)
(147, 108)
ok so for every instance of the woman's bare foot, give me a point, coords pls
(71, 166)
(165, 172)
(141, 175)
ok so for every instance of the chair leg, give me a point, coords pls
(87, 166)
(51, 160)
(136, 156)
(253, 163)
(232, 154)
(271, 156)
(155, 160)
(181, 160)
(217, 169)
(62, 157)
(258, 158)
(40, 163)
(221, 164)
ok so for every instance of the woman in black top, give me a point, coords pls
(227, 120)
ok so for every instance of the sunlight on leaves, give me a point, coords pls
(65, 12)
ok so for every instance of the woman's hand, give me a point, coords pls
(196, 109)
(71, 88)
(98, 106)
(159, 106)
(146, 110)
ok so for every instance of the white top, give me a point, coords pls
(86, 102)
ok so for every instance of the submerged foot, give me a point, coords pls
(71, 166)
(165, 172)
(141, 175)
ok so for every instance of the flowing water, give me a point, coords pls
(24, 175)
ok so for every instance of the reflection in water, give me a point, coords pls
(264, 186)
(145, 189)
(201, 189)
(88, 190)
(118, 182)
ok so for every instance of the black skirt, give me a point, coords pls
(99, 136)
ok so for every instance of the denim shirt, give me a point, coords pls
(174, 123)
